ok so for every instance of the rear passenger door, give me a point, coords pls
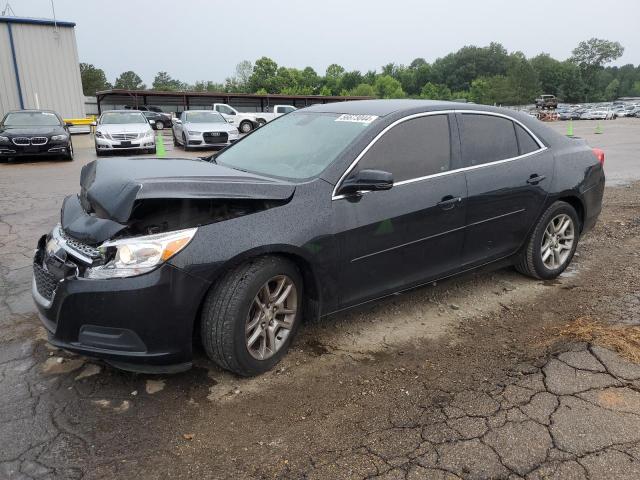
(508, 176)
(397, 238)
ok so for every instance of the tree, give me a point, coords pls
(524, 86)
(549, 71)
(590, 56)
(332, 78)
(163, 81)
(388, 87)
(93, 79)
(435, 92)
(130, 81)
(263, 76)
(363, 90)
(612, 90)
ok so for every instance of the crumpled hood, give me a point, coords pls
(110, 187)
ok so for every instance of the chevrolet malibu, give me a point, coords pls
(321, 210)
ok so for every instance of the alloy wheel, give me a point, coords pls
(271, 317)
(557, 241)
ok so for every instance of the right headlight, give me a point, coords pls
(191, 132)
(137, 255)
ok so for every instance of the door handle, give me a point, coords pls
(535, 179)
(449, 202)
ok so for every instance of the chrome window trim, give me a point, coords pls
(542, 147)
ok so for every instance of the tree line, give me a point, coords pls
(488, 75)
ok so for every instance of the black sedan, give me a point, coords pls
(34, 133)
(320, 210)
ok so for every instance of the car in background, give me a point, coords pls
(323, 210)
(160, 120)
(118, 130)
(245, 122)
(626, 111)
(203, 128)
(546, 101)
(35, 133)
(598, 115)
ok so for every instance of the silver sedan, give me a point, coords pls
(203, 128)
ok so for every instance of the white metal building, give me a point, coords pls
(39, 66)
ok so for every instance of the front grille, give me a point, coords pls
(46, 283)
(24, 141)
(78, 246)
(215, 137)
(124, 136)
(21, 141)
(39, 140)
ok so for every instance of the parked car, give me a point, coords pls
(203, 128)
(118, 130)
(325, 209)
(145, 108)
(598, 115)
(546, 101)
(34, 133)
(160, 120)
(245, 122)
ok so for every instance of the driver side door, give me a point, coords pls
(395, 239)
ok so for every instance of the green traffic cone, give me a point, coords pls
(598, 129)
(570, 128)
(160, 151)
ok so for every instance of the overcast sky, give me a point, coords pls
(205, 39)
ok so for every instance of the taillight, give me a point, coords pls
(599, 155)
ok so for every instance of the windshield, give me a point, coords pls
(31, 119)
(298, 145)
(204, 117)
(120, 118)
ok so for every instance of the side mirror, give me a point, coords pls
(230, 120)
(177, 121)
(366, 180)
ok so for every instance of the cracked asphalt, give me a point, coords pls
(469, 378)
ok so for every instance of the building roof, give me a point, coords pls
(163, 93)
(37, 21)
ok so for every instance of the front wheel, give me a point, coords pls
(246, 127)
(552, 243)
(159, 125)
(251, 315)
(69, 155)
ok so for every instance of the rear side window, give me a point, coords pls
(414, 148)
(525, 141)
(487, 138)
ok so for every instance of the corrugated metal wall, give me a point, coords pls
(48, 66)
(8, 88)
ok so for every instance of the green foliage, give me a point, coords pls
(163, 81)
(433, 91)
(388, 87)
(93, 79)
(129, 80)
(488, 74)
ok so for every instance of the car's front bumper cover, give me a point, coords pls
(143, 323)
(49, 149)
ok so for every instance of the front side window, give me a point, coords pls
(226, 110)
(31, 119)
(487, 138)
(298, 145)
(412, 149)
(122, 118)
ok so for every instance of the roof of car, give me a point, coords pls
(381, 108)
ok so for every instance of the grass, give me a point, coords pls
(624, 339)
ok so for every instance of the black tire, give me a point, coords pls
(185, 143)
(175, 140)
(225, 311)
(151, 151)
(100, 153)
(246, 126)
(159, 125)
(530, 262)
(69, 155)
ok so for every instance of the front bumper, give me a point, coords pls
(143, 323)
(198, 140)
(134, 144)
(49, 149)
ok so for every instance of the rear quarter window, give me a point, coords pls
(487, 138)
(525, 141)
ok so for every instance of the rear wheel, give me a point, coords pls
(251, 315)
(552, 243)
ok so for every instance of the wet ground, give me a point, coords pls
(478, 377)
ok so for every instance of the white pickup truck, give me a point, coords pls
(247, 121)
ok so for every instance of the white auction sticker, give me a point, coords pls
(356, 118)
